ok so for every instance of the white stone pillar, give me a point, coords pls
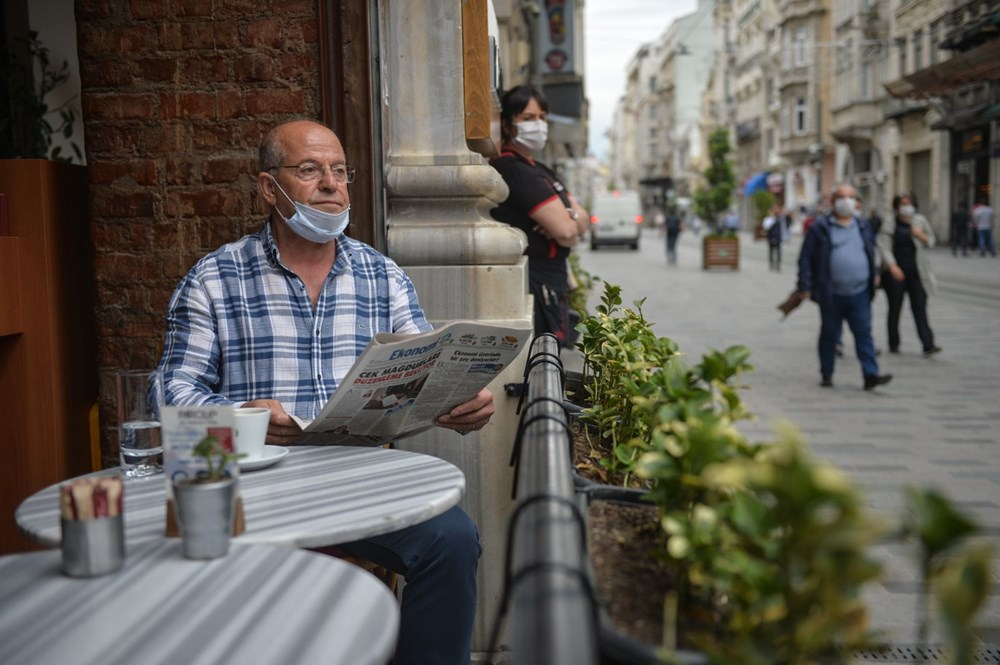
(464, 264)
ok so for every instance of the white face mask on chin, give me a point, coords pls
(312, 224)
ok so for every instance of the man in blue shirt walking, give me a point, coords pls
(837, 271)
(277, 318)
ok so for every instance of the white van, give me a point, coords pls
(615, 219)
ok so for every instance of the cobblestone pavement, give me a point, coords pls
(935, 425)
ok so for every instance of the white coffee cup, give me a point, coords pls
(251, 430)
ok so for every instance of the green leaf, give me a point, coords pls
(935, 521)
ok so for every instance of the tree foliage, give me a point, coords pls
(716, 195)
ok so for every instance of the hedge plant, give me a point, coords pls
(774, 542)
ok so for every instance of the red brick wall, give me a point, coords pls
(176, 94)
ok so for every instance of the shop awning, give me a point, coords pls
(665, 183)
(980, 64)
(755, 182)
(962, 118)
(991, 113)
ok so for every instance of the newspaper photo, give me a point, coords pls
(402, 383)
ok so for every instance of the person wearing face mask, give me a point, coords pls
(539, 205)
(278, 317)
(837, 271)
(902, 244)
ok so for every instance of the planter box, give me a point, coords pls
(616, 647)
(720, 253)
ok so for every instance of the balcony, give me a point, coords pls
(796, 9)
(895, 107)
(856, 120)
(798, 75)
(794, 148)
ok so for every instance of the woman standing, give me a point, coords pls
(906, 269)
(539, 205)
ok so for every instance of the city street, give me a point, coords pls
(935, 425)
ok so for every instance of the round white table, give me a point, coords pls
(314, 497)
(260, 604)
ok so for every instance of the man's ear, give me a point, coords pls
(265, 185)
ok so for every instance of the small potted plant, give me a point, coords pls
(206, 502)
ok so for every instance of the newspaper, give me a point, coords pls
(402, 383)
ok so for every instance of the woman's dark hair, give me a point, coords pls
(905, 195)
(514, 101)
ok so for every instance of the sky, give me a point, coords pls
(613, 32)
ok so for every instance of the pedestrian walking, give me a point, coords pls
(875, 221)
(775, 229)
(837, 271)
(732, 222)
(959, 231)
(906, 269)
(673, 224)
(982, 217)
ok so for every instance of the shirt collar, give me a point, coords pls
(341, 262)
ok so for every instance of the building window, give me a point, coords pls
(901, 45)
(801, 54)
(935, 37)
(801, 115)
(863, 161)
(769, 140)
(866, 80)
(652, 132)
(652, 84)
(784, 122)
(918, 50)
(652, 111)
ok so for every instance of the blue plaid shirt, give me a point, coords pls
(240, 325)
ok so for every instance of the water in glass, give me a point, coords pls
(140, 448)
(140, 394)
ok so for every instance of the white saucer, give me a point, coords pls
(271, 455)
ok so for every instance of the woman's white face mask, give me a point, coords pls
(532, 134)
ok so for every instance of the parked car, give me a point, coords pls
(615, 219)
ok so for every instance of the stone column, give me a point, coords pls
(464, 264)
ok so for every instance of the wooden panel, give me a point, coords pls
(482, 108)
(10, 287)
(720, 253)
(346, 106)
(48, 373)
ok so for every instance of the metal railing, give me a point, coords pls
(547, 591)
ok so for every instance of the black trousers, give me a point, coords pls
(959, 240)
(895, 291)
(774, 256)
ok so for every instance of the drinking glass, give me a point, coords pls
(140, 395)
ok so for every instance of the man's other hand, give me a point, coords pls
(470, 416)
(281, 430)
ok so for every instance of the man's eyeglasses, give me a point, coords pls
(309, 172)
